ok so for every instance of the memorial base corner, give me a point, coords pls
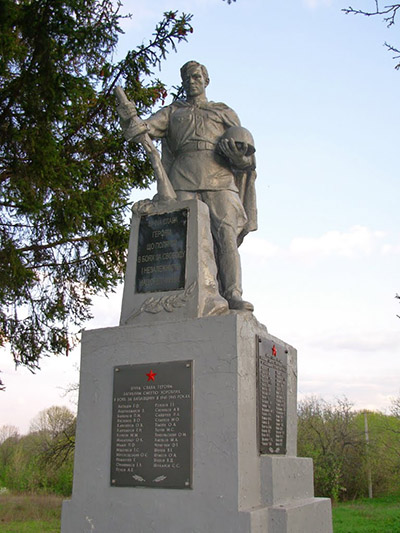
(235, 489)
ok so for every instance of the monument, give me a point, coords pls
(187, 409)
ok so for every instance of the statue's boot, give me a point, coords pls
(230, 274)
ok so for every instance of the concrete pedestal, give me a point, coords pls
(200, 296)
(235, 489)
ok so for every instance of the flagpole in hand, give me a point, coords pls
(131, 123)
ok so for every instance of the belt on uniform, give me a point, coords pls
(194, 146)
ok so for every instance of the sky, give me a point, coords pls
(319, 92)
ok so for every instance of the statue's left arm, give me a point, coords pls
(236, 153)
(242, 159)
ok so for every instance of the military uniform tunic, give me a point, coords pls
(190, 136)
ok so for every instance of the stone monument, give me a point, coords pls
(187, 410)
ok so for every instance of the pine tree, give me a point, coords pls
(66, 173)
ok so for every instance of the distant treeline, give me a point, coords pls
(41, 461)
(354, 452)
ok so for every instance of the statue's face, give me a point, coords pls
(194, 82)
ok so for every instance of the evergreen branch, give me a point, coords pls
(39, 247)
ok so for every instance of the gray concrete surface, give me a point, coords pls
(235, 490)
(200, 297)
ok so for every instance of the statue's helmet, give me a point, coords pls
(241, 136)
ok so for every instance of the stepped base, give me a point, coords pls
(235, 489)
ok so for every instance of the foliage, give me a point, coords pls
(389, 13)
(54, 429)
(65, 172)
(327, 434)
(333, 435)
(384, 433)
(395, 407)
(9, 437)
(52, 422)
(43, 459)
(8, 432)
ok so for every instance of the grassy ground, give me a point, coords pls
(379, 515)
(30, 513)
(41, 514)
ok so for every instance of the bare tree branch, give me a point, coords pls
(389, 14)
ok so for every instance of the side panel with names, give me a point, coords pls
(272, 396)
(161, 254)
(152, 425)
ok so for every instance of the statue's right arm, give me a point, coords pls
(133, 129)
(157, 124)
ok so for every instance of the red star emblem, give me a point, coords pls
(274, 350)
(151, 375)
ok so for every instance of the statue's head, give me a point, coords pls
(195, 78)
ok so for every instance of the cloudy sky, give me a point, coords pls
(319, 92)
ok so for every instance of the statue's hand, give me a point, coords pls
(126, 111)
(131, 124)
(133, 129)
(235, 152)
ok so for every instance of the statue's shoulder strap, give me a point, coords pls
(228, 115)
(219, 106)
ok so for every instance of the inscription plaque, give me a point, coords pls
(161, 254)
(272, 396)
(152, 430)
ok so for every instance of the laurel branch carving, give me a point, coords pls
(166, 303)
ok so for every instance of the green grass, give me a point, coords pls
(30, 513)
(33, 513)
(379, 515)
(35, 526)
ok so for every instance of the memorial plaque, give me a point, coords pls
(161, 254)
(152, 428)
(272, 396)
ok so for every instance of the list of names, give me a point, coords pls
(152, 425)
(272, 398)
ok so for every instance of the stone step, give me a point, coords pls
(311, 515)
(285, 478)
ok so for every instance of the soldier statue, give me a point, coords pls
(207, 155)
